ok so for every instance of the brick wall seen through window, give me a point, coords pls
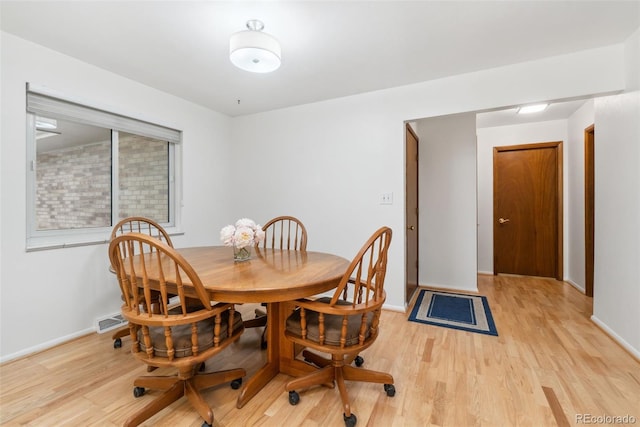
(74, 184)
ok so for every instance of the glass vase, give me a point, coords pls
(241, 254)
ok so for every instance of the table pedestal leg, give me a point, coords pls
(280, 354)
(272, 367)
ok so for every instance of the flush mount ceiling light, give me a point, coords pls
(528, 109)
(255, 51)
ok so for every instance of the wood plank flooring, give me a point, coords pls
(549, 366)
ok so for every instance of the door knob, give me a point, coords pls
(411, 227)
(502, 220)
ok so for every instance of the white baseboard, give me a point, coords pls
(633, 351)
(448, 288)
(394, 308)
(575, 285)
(46, 345)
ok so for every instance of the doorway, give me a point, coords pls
(527, 209)
(411, 212)
(589, 207)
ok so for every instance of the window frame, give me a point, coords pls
(51, 239)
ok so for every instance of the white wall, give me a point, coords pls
(326, 164)
(617, 218)
(447, 206)
(49, 296)
(341, 154)
(488, 138)
(632, 61)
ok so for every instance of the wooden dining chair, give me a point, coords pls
(286, 233)
(343, 325)
(137, 224)
(171, 336)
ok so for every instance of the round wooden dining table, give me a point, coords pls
(271, 276)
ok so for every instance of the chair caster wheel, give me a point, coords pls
(117, 343)
(294, 397)
(350, 421)
(390, 389)
(138, 391)
(359, 361)
(235, 384)
(205, 424)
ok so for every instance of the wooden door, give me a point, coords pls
(589, 207)
(411, 212)
(527, 209)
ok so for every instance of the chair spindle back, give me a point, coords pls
(286, 233)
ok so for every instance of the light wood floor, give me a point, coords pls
(549, 366)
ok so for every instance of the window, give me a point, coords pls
(91, 167)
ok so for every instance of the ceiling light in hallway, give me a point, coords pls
(528, 109)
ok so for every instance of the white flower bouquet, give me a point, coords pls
(244, 234)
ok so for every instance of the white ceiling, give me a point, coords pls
(329, 49)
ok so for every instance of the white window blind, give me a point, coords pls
(42, 104)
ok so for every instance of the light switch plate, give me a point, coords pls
(386, 198)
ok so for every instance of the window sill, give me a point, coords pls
(70, 240)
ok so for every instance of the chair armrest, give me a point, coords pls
(338, 309)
